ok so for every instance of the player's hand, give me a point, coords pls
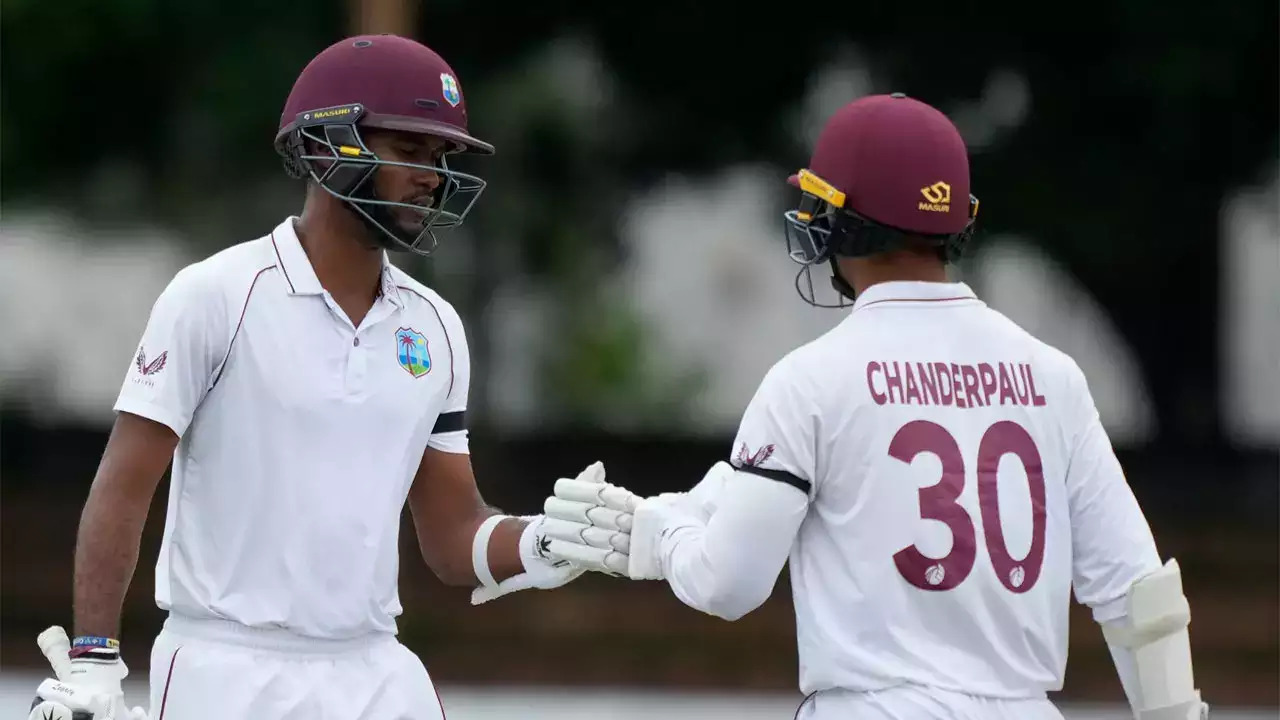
(588, 523)
(609, 529)
(542, 570)
(86, 687)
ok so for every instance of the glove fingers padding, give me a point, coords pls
(597, 493)
(587, 514)
(585, 534)
(593, 558)
(601, 538)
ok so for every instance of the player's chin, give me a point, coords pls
(410, 222)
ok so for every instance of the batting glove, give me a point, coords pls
(607, 528)
(87, 686)
(542, 570)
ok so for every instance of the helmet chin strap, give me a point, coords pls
(838, 283)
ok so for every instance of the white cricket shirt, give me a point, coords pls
(300, 436)
(959, 485)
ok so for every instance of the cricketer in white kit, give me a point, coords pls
(306, 390)
(938, 478)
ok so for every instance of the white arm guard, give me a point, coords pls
(1153, 651)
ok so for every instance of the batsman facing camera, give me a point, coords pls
(302, 369)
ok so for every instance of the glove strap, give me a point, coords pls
(480, 550)
(94, 647)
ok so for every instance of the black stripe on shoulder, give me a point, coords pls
(781, 476)
(450, 422)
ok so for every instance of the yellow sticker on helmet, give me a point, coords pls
(818, 187)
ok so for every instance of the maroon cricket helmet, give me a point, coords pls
(399, 83)
(885, 169)
(380, 82)
(897, 161)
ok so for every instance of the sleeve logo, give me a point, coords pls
(750, 459)
(153, 367)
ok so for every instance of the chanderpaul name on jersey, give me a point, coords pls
(952, 385)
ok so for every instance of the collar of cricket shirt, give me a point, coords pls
(911, 292)
(301, 277)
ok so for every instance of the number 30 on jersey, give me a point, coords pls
(939, 502)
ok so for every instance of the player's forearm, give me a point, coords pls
(728, 567)
(720, 587)
(455, 566)
(106, 555)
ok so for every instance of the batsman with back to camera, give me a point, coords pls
(938, 477)
(305, 388)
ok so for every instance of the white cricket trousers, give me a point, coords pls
(917, 702)
(219, 670)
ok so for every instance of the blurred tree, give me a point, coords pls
(383, 16)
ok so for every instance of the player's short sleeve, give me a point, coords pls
(777, 435)
(1111, 542)
(450, 431)
(184, 341)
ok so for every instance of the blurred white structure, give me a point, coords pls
(707, 272)
(710, 275)
(1025, 284)
(73, 304)
(1250, 320)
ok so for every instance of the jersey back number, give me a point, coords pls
(939, 502)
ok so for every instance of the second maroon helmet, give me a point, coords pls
(885, 170)
(378, 82)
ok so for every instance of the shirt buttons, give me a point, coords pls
(356, 342)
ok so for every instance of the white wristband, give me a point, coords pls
(480, 550)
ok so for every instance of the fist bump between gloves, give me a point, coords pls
(602, 527)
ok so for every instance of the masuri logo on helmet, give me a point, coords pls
(379, 82)
(937, 197)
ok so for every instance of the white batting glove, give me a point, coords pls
(87, 686)
(609, 529)
(542, 570)
(589, 524)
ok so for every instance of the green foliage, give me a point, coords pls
(179, 89)
(604, 372)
